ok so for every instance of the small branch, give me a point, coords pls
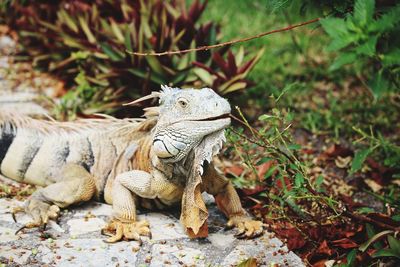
(366, 219)
(320, 195)
(207, 47)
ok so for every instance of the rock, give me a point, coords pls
(76, 241)
(84, 225)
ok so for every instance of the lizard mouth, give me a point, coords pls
(223, 116)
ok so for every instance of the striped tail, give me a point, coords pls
(8, 132)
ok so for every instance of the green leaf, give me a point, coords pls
(387, 21)
(80, 55)
(391, 58)
(270, 172)
(378, 85)
(342, 42)
(278, 5)
(142, 74)
(294, 147)
(204, 75)
(359, 159)
(351, 257)
(365, 245)
(394, 244)
(371, 232)
(368, 48)
(34, 251)
(65, 17)
(86, 30)
(396, 217)
(128, 40)
(299, 180)
(234, 87)
(155, 65)
(266, 117)
(117, 31)
(239, 56)
(263, 160)
(343, 59)
(386, 253)
(365, 210)
(318, 183)
(111, 53)
(334, 27)
(364, 11)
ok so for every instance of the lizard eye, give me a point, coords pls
(182, 102)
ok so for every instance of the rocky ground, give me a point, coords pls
(75, 240)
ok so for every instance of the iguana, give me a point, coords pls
(157, 162)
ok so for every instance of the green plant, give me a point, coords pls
(368, 39)
(285, 186)
(389, 150)
(68, 37)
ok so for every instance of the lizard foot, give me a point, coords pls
(40, 212)
(246, 227)
(127, 230)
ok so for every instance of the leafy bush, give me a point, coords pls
(90, 39)
(368, 39)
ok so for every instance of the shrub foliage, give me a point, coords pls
(89, 40)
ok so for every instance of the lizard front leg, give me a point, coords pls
(125, 188)
(229, 203)
(75, 185)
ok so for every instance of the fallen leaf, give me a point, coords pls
(338, 150)
(343, 162)
(235, 170)
(253, 191)
(324, 249)
(250, 262)
(287, 182)
(329, 263)
(295, 239)
(345, 243)
(375, 187)
(396, 182)
(263, 168)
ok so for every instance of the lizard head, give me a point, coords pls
(186, 117)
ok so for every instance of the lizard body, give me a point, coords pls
(161, 161)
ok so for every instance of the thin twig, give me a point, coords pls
(346, 211)
(207, 47)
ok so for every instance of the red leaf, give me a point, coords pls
(263, 168)
(235, 170)
(221, 63)
(246, 66)
(294, 238)
(207, 68)
(287, 183)
(338, 150)
(307, 151)
(324, 249)
(231, 63)
(345, 243)
(253, 191)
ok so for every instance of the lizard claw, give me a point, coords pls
(127, 230)
(246, 227)
(40, 212)
(15, 211)
(28, 225)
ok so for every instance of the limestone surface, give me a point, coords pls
(75, 240)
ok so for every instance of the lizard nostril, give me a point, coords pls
(216, 104)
